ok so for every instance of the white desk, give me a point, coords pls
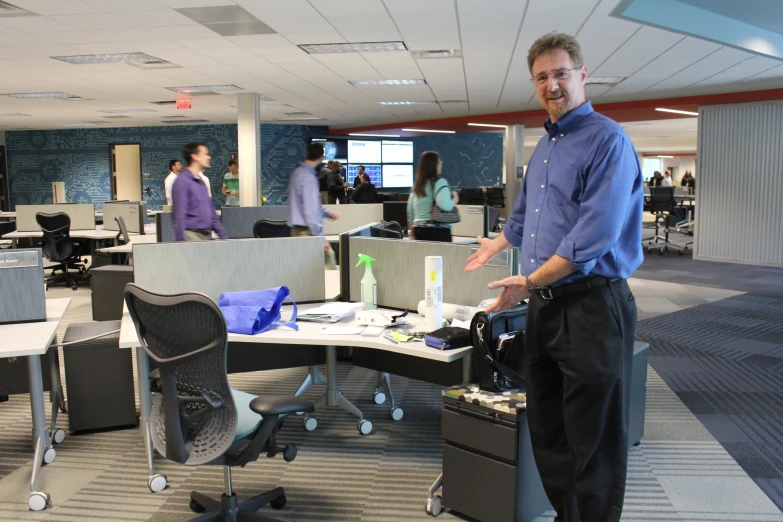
(32, 340)
(128, 248)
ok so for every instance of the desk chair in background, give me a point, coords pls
(123, 238)
(58, 247)
(197, 419)
(432, 233)
(264, 228)
(664, 206)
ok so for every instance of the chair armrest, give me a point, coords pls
(280, 405)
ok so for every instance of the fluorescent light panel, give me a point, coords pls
(434, 54)
(665, 156)
(487, 125)
(82, 59)
(13, 115)
(123, 111)
(430, 130)
(77, 124)
(58, 95)
(374, 135)
(205, 88)
(675, 111)
(360, 47)
(300, 118)
(604, 81)
(356, 83)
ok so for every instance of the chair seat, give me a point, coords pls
(280, 405)
(247, 420)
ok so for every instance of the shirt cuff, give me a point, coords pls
(567, 249)
(512, 237)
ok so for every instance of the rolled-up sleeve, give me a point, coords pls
(516, 221)
(604, 205)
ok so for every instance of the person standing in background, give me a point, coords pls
(323, 181)
(689, 181)
(305, 212)
(335, 185)
(667, 179)
(429, 189)
(656, 180)
(194, 214)
(230, 187)
(365, 193)
(358, 179)
(175, 167)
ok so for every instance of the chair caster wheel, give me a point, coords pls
(196, 507)
(395, 414)
(49, 456)
(39, 501)
(279, 502)
(379, 397)
(58, 436)
(157, 483)
(310, 423)
(365, 427)
(73, 288)
(434, 506)
(660, 253)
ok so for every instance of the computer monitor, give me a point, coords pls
(364, 151)
(397, 176)
(374, 171)
(396, 211)
(397, 151)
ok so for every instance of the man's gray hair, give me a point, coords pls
(551, 42)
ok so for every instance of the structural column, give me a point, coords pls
(249, 140)
(513, 163)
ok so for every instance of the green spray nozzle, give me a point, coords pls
(365, 259)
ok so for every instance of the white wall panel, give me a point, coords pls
(740, 184)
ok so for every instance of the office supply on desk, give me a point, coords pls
(381, 317)
(59, 248)
(452, 311)
(22, 298)
(197, 417)
(433, 292)
(448, 338)
(256, 311)
(368, 287)
(330, 312)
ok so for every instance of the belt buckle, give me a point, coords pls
(546, 293)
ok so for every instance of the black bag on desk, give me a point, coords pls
(499, 367)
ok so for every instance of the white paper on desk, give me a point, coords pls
(456, 323)
(329, 312)
(341, 330)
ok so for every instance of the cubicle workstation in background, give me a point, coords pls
(134, 213)
(82, 215)
(351, 217)
(238, 221)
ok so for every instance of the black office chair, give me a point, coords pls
(266, 228)
(663, 206)
(496, 197)
(123, 238)
(58, 247)
(432, 233)
(197, 419)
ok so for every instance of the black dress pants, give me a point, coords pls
(578, 354)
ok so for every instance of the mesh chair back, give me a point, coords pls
(439, 234)
(122, 238)
(662, 199)
(186, 336)
(56, 228)
(266, 228)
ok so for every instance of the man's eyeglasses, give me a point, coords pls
(559, 75)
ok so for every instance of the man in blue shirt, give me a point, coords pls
(193, 213)
(578, 222)
(305, 213)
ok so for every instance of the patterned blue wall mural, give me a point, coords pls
(80, 158)
(469, 160)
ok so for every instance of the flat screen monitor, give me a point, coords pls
(397, 176)
(397, 151)
(364, 151)
(374, 171)
(333, 148)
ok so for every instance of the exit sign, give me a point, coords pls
(183, 103)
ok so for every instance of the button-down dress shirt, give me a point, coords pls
(193, 208)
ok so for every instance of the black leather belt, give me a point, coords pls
(548, 293)
(200, 230)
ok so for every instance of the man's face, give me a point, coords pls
(177, 168)
(233, 169)
(202, 158)
(558, 96)
(365, 180)
(361, 171)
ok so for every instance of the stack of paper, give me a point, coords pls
(329, 312)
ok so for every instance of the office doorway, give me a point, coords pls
(126, 181)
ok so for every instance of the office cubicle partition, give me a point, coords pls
(473, 221)
(164, 227)
(351, 217)
(238, 221)
(134, 213)
(399, 271)
(82, 215)
(213, 267)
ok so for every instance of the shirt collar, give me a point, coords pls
(569, 121)
(308, 167)
(195, 175)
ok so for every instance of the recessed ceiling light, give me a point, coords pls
(665, 156)
(300, 114)
(81, 59)
(429, 130)
(300, 118)
(205, 88)
(58, 95)
(604, 81)
(13, 114)
(487, 125)
(407, 103)
(121, 111)
(440, 53)
(387, 82)
(675, 111)
(374, 135)
(186, 121)
(361, 47)
(77, 124)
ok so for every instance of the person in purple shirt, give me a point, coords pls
(578, 223)
(194, 214)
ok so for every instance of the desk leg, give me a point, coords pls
(314, 376)
(42, 445)
(57, 396)
(156, 482)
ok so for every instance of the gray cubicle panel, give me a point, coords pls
(213, 267)
(238, 221)
(352, 217)
(473, 221)
(399, 271)
(134, 213)
(82, 215)
(164, 227)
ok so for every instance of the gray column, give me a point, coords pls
(513, 163)
(249, 139)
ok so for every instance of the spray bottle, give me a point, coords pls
(369, 287)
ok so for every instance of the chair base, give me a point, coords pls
(67, 276)
(229, 509)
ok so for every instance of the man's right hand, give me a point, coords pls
(334, 216)
(489, 249)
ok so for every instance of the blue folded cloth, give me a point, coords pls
(256, 311)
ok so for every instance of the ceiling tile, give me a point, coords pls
(206, 43)
(776, 72)
(282, 50)
(350, 66)
(55, 7)
(741, 71)
(290, 17)
(179, 4)
(643, 47)
(88, 22)
(24, 40)
(34, 24)
(126, 35)
(446, 78)
(183, 32)
(349, 8)
(603, 34)
(702, 69)
(74, 37)
(227, 52)
(314, 38)
(366, 28)
(155, 18)
(426, 25)
(260, 40)
(118, 6)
